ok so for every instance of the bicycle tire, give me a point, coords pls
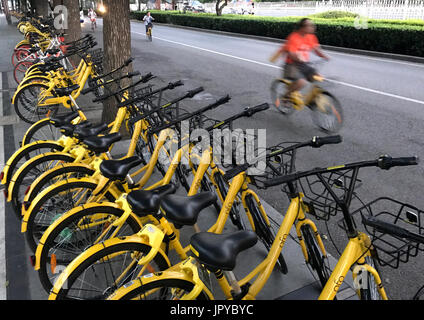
(419, 294)
(24, 102)
(18, 55)
(264, 231)
(37, 78)
(34, 231)
(23, 179)
(66, 225)
(315, 258)
(34, 133)
(24, 154)
(20, 70)
(167, 285)
(53, 175)
(234, 212)
(278, 89)
(89, 261)
(332, 109)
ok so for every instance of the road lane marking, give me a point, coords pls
(278, 67)
(361, 56)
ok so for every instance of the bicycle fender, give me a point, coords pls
(16, 153)
(89, 252)
(53, 226)
(26, 213)
(32, 77)
(25, 41)
(24, 166)
(47, 173)
(23, 87)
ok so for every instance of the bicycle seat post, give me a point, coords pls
(233, 282)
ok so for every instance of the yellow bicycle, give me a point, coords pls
(327, 112)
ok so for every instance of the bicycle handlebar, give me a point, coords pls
(192, 93)
(214, 105)
(248, 112)
(125, 64)
(318, 142)
(128, 75)
(170, 86)
(315, 142)
(143, 79)
(384, 162)
(392, 229)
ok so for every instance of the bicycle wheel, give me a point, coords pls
(327, 112)
(419, 295)
(149, 34)
(73, 233)
(235, 209)
(58, 173)
(278, 90)
(19, 55)
(20, 69)
(166, 289)
(30, 171)
(315, 257)
(368, 288)
(28, 152)
(264, 231)
(35, 78)
(105, 268)
(27, 100)
(54, 202)
(41, 130)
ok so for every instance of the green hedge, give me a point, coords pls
(389, 36)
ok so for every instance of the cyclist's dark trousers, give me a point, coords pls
(147, 26)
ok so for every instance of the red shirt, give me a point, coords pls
(297, 43)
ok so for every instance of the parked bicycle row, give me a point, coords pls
(102, 227)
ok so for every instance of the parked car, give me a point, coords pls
(193, 6)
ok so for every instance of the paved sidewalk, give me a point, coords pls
(19, 281)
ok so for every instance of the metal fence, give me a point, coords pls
(373, 9)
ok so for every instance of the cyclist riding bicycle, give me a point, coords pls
(297, 47)
(92, 15)
(148, 21)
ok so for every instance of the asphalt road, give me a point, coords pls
(382, 99)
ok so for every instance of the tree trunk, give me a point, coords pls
(6, 11)
(24, 7)
(117, 46)
(74, 26)
(219, 7)
(41, 8)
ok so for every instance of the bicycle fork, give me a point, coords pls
(352, 257)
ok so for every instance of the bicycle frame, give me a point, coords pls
(190, 269)
(352, 258)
